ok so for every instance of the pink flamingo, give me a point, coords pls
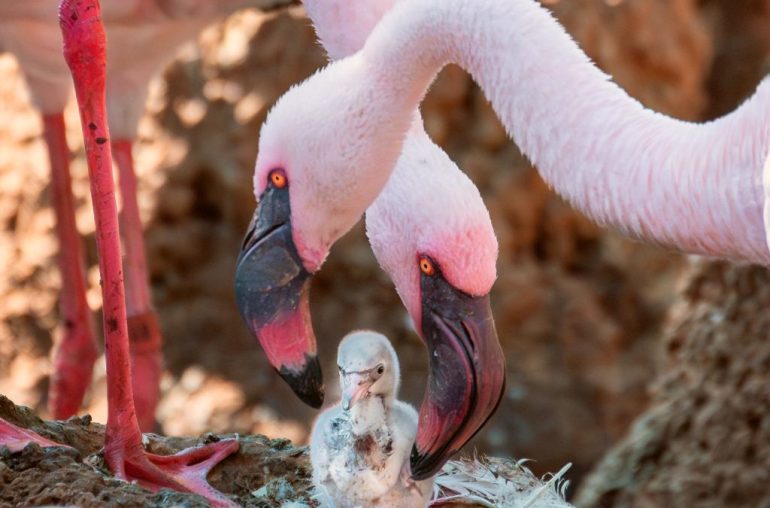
(144, 34)
(456, 259)
(425, 184)
(335, 139)
(85, 54)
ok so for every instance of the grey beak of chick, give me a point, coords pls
(355, 386)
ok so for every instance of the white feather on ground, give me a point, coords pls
(494, 483)
(498, 483)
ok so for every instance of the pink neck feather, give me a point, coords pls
(693, 187)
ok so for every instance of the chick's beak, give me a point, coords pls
(271, 288)
(466, 378)
(354, 387)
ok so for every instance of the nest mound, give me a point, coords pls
(264, 472)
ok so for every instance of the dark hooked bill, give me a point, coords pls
(271, 289)
(467, 373)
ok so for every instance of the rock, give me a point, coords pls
(705, 440)
(742, 50)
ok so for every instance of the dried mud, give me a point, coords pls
(263, 473)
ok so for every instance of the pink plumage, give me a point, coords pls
(693, 187)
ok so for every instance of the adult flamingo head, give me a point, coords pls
(312, 185)
(431, 232)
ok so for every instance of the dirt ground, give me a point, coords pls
(263, 473)
(579, 310)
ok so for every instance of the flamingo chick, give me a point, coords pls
(359, 446)
(694, 187)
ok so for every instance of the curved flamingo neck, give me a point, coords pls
(693, 187)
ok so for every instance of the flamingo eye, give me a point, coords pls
(380, 369)
(426, 266)
(278, 178)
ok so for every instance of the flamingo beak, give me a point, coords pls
(271, 289)
(467, 373)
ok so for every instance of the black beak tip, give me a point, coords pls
(423, 466)
(308, 383)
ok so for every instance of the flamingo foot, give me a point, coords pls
(16, 439)
(72, 369)
(146, 366)
(185, 471)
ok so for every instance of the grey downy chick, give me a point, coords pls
(359, 448)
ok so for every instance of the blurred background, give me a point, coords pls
(583, 314)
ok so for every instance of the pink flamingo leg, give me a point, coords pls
(143, 329)
(16, 439)
(76, 354)
(84, 51)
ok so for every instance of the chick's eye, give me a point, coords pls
(426, 266)
(380, 369)
(278, 178)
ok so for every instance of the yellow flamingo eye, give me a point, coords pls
(426, 266)
(278, 179)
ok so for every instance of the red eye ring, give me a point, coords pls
(278, 178)
(426, 266)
